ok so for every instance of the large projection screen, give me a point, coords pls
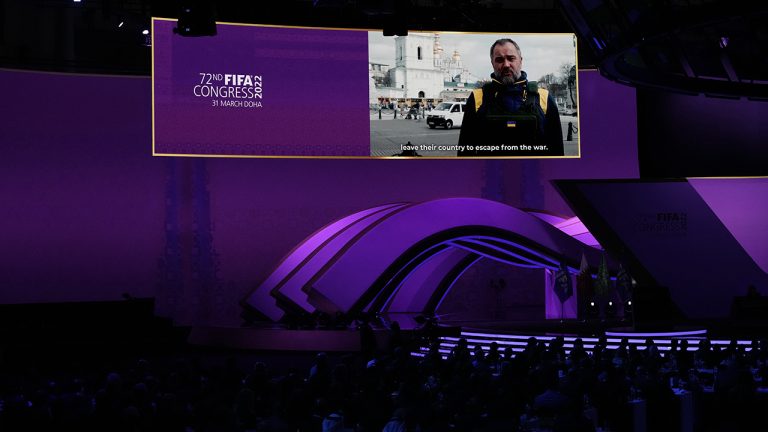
(290, 92)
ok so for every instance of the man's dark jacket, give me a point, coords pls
(516, 98)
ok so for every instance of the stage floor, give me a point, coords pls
(275, 337)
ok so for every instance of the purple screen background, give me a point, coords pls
(89, 214)
(315, 92)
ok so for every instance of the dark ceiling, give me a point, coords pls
(86, 36)
(715, 47)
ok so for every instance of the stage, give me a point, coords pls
(275, 337)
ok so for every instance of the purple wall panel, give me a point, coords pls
(83, 201)
(694, 136)
(82, 198)
(675, 235)
(608, 122)
(742, 206)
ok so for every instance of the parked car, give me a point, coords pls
(446, 114)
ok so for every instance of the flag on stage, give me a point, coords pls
(623, 284)
(584, 287)
(584, 279)
(563, 284)
(603, 282)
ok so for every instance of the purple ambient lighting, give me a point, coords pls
(658, 334)
(415, 291)
(712, 224)
(453, 282)
(430, 254)
(545, 262)
(362, 257)
(57, 202)
(515, 341)
(740, 205)
(304, 258)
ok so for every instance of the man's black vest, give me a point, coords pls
(532, 110)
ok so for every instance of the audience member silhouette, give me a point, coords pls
(543, 385)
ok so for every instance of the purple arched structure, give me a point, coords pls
(306, 259)
(405, 257)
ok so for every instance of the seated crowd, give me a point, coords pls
(541, 388)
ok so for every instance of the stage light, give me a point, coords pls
(592, 311)
(146, 38)
(628, 309)
(121, 24)
(610, 310)
(196, 18)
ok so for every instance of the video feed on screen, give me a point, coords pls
(267, 91)
(471, 94)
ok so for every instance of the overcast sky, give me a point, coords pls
(542, 53)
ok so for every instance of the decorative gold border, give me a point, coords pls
(152, 75)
